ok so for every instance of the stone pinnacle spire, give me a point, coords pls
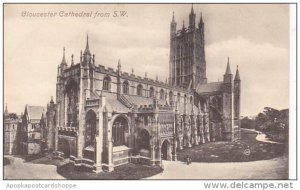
(51, 101)
(228, 70)
(87, 48)
(119, 64)
(192, 10)
(64, 59)
(6, 110)
(237, 74)
(173, 18)
(201, 20)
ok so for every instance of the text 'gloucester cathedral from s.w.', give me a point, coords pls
(103, 117)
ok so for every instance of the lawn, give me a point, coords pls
(247, 149)
(127, 171)
(48, 160)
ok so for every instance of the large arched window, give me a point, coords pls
(139, 91)
(151, 92)
(120, 133)
(90, 130)
(144, 140)
(106, 83)
(178, 97)
(71, 95)
(171, 96)
(178, 50)
(125, 87)
(162, 94)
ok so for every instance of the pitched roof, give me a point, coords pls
(113, 104)
(209, 87)
(35, 112)
(140, 100)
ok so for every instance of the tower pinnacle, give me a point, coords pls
(51, 101)
(237, 74)
(64, 59)
(192, 10)
(119, 64)
(228, 70)
(6, 110)
(173, 18)
(87, 48)
(201, 19)
(192, 18)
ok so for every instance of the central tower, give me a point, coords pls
(187, 65)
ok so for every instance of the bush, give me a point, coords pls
(31, 157)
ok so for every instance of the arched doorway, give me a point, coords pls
(144, 140)
(90, 130)
(166, 150)
(144, 143)
(215, 124)
(65, 147)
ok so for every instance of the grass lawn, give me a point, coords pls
(47, 160)
(234, 151)
(127, 171)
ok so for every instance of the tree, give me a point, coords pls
(12, 116)
(247, 123)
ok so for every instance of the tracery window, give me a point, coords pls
(151, 92)
(170, 96)
(71, 100)
(178, 97)
(162, 94)
(106, 83)
(140, 90)
(125, 87)
(120, 132)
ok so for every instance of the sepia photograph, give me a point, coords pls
(146, 91)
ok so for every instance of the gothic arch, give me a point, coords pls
(166, 148)
(71, 100)
(64, 146)
(178, 97)
(171, 96)
(162, 94)
(107, 83)
(120, 129)
(125, 87)
(144, 138)
(185, 98)
(151, 92)
(90, 127)
(139, 90)
(214, 114)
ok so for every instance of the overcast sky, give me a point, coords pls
(255, 37)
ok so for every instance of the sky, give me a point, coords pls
(255, 37)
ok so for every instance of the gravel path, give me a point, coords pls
(266, 169)
(18, 169)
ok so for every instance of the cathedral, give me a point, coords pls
(105, 117)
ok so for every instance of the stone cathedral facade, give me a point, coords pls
(106, 117)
